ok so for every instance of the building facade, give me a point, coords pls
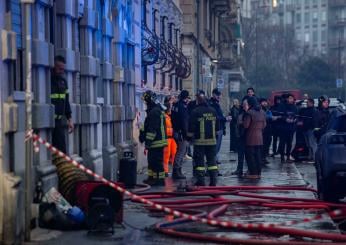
(114, 51)
(337, 36)
(101, 40)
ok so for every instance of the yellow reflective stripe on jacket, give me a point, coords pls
(205, 142)
(58, 96)
(58, 116)
(189, 134)
(158, 143)
(214, 129)
(150, 136)
(212, 168)
(202, 129)
(200, 169)
(163, 131)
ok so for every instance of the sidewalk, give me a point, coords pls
(136, 216)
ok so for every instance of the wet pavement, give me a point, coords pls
(139, 222)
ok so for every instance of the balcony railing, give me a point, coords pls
(336, 3)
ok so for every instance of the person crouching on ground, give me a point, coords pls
(254, 123)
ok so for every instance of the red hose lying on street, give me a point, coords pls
(222, 204)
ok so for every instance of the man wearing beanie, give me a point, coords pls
(180, 120)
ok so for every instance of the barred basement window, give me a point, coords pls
(15, 67)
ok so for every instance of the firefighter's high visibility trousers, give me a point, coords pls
(155, 164)
(169, 153)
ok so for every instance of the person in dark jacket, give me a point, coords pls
(202, 131)
(221, 120)
(240, 134)
(233, 126)
(287, 126)
(154, 136)
(254, 123)
(267, 140)
(60, 99)
(250, 92)
(180, 119)
(322, 117)
(274, 124)
(308, 116)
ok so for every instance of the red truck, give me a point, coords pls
(295, 92)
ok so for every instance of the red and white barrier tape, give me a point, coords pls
(213, 222)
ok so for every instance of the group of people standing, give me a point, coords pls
(256, 127)
(170, 129)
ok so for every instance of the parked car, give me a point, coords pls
(331, 159)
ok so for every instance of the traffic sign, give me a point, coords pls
(339, 83)
(220, 83)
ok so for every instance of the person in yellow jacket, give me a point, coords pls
(154, 136)
(171, 149)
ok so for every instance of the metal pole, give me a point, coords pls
(28, 103)
(198, 46)
(256, 47)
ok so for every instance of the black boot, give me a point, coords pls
(177, 174)
(200, 181)
(282, 159)
(182, 176)
(213, 178)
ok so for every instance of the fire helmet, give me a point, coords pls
(149, 97)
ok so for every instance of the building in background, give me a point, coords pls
(337, 36)
(211, 38)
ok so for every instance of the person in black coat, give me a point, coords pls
(287, 126)
(267, 130)
(180, 121)
(322, 117)
(274, 124)
(233, 126)
(308, 117)
(221, 119)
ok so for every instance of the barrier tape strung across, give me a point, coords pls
(213, 222)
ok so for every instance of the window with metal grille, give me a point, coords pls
(15, 67)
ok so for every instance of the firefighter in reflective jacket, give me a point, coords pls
(171, 148)
(154, 136)
(60, 99)
(202, 130)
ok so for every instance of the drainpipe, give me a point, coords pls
(198, 46)
(27, 32)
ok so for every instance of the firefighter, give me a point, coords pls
(60, 99)
(202, 131)
(154, 136)
(171, 148)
